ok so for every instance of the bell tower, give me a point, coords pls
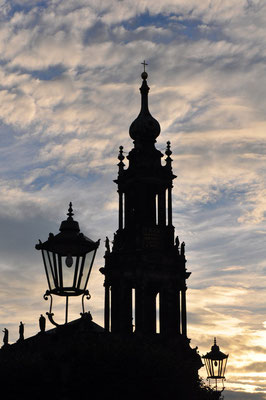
(145, 271)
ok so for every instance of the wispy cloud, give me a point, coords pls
(69, 82)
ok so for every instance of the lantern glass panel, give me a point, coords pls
(68, 269)
(84, 270)
(76, 273)
(209, 368)
(223, 366)
(55, 268)
(49, 267)
(59, 270)
(215, 368)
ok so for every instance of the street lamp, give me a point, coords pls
(68, 259)
(215, 362)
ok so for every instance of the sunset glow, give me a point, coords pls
(70, 78)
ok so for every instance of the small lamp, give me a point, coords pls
(215, 362)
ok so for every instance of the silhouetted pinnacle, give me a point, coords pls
(120, 155)
(121, 158)
(168, 151)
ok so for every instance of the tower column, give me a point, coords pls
(145, 310)
(164, 311)
(126, 309)
(170, 313)
(161, 208)
(115, 308)
(150, 311)
(107, 308)
(184, 312)
(178, 312)
(139, 309)
(121, 210)
(169, 206)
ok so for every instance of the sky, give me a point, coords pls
(69, 90)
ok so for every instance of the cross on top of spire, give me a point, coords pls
(144, 65)
(144, 74)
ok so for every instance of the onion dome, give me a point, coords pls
(145, 128)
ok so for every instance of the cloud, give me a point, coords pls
(239, 395)
(255, 367)
(69, 84)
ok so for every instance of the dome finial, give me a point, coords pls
(144, 74)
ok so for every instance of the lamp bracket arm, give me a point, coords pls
(88, 296)
(50, 314)
(50, 317)
(45, 296)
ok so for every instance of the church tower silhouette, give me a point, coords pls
(145, 273)
(145, 293)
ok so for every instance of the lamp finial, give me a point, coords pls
(70, 211)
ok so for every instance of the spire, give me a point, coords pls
(145, 128)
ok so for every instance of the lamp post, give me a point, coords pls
(68, 259)
(215, 363)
